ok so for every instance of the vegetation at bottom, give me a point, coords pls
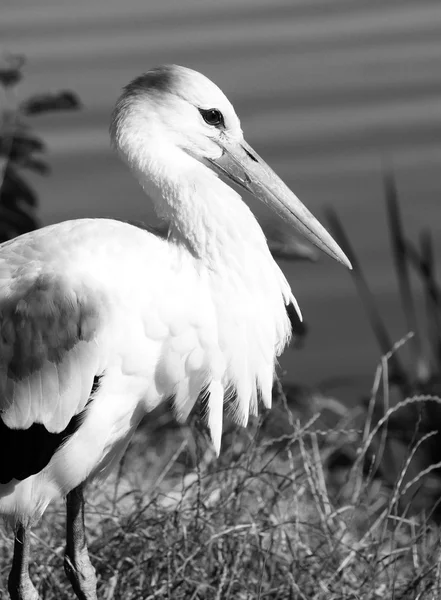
(294, 508)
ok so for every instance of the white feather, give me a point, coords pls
(215, 404)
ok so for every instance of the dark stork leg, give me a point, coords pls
(77, 563)
(20, 585)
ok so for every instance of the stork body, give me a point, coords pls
(102, 321)
(148, 318)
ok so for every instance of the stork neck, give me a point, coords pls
(206, 216)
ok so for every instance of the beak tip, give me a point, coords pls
(347, 263)
(334, 250)
(342, 259)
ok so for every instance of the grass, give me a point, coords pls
(294, 508)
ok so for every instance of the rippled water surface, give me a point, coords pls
(329, 91)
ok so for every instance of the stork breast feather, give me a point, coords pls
(47, 358)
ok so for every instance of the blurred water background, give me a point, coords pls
(329, 93)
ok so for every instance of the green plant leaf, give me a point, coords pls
(10, 69)
(15, 190)
(41, 103)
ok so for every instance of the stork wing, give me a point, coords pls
(48, 353)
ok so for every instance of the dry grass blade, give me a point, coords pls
(378, 327)
(405, 467)
(424, 265)
(433, 295)
(413, 400)
(401, 266)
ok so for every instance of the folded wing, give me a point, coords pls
(48, 351)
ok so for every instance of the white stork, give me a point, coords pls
(102, 321)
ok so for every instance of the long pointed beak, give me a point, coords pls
(242, 165)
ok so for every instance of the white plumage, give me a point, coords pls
(201, 312)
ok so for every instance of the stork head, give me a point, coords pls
(173, 114)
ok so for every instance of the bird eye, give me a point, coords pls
(212, 116)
